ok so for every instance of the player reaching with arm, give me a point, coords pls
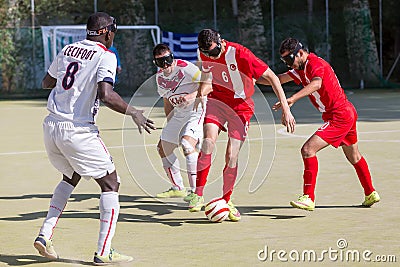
(177, 82)
(228, 74)
(82, 74)
(339, 129)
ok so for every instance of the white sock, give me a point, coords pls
(172, 169)
(109, 211)
(191, 166)
(61, 194)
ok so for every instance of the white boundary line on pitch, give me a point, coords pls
(281, 132)
(112, 147)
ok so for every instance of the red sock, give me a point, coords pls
(364, 176)
(203, 168)
(310, 176)
(229, 175)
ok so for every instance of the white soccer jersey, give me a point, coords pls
(182, 81)
(78, 68)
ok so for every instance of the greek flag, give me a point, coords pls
(184, 46)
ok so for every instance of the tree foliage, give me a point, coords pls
(251, 27)
(360, 39)
(12, 12)
(353, 40)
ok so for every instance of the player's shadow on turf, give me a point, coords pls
(257, 211)
(173, 222)
(22, 260)
(165, 209)
(75, 197)
(155, 210)
(341, 207)
(143, 203)
(158, 209)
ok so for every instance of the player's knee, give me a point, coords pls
(231, 161)
(353, 158)
(74, 180)
(110, 186)
(231, 157)
(208, 146)
(187, 147)
(109, 183)
(307, 151)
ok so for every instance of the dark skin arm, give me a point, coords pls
(48, 82)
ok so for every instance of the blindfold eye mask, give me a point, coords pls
(109, 28)
(161, 62)
(212, 52)
(289, 59)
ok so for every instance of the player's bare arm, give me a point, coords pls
(313, 86)
(168, 109)
(114, 101)
(287, 117)
(283, 78)
(48, 82)
(204, 89)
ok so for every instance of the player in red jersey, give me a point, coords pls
(228, 74)
(323, 89)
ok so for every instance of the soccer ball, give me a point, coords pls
(217, 210)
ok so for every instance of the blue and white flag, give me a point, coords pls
(184, 46)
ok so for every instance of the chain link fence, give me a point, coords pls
(22, 65)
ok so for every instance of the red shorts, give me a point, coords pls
(339, 127)
(237, 118)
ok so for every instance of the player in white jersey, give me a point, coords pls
(177, 82)
(82, 74)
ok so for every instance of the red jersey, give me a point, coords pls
(233, 74)
(331, 95)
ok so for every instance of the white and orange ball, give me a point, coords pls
(217, 210)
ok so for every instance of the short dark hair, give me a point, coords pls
(206, 37)
(160, 49)
(98, 21)
(289, 44)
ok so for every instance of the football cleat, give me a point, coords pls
(111, 258)
(189, 196)
(304, 202)
(172, 193)
(234, 214)
(371, 199)
(196, 203)
(45, 247)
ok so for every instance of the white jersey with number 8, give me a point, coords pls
(78, 68)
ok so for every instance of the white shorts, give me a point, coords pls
(74, 147)
(190, 124)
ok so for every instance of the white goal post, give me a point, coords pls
(57, 36)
